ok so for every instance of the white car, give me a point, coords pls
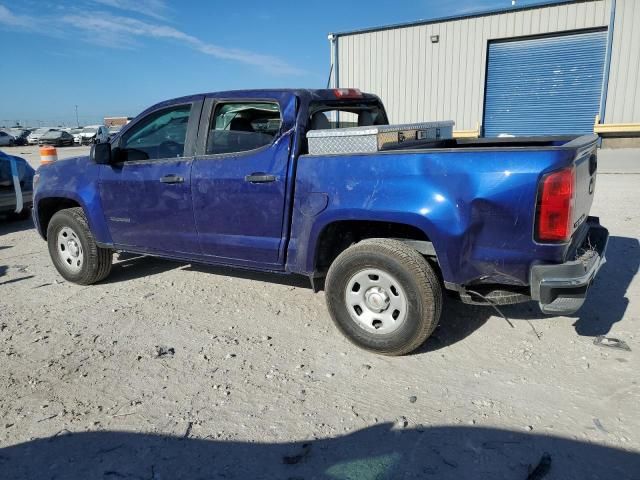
(94, 134)
(34, 137)
(76, 134)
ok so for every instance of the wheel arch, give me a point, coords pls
(335, 236)
(47, 207)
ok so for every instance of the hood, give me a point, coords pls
(66, 177)
(66, 165)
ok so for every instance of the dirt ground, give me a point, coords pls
(169, 370)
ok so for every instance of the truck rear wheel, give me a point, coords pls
(73, 248)
(384, 296)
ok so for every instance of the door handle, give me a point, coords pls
(260, 178)
(172, 179)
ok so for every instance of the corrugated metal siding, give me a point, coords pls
(623, 102)
(545, 86)
(419, 80)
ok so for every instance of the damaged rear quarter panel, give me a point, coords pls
(476, 206)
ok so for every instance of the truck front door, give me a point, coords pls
(240, 179)
(146, 192)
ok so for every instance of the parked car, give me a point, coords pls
(493, 221)
(8, 197)
(19, 134)
(56, 138)
(6, 139)
(114, 130)
(94, 134)
(34, 137)
(75, 132)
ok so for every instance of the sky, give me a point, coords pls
(117, 57)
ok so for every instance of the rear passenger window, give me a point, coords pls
(240, 127)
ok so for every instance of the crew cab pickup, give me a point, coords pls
(227, 178)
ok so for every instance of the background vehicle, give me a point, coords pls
(6, 139)
(113, 131)
(56, 138)
(75, 132)
(94, 134)
(34, 137)
(227, 178)
(19, 134)
(7, 190)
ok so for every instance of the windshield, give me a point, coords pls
(51, 134)
(40, 131)
(89, 130)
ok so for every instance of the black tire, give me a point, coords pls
(97, 261)
(414, 275)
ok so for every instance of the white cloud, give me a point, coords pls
(122, 32)
(151, 8)
(116, 31)
(12, 20)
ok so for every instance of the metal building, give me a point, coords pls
(533, 70)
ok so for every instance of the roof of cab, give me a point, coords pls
(305, 93)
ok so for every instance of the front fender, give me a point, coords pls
(74, 180)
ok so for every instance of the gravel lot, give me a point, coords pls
(169, 370)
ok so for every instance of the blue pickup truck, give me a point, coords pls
(227, 178)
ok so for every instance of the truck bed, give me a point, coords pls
(475, 143)
(475, 199)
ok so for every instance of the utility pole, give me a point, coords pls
(77, 121)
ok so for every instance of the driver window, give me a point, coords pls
(161, 135)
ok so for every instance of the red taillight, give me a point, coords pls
(555, 204)
(347, 93)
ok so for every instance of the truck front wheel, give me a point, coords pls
(73, 249)
(383, 296)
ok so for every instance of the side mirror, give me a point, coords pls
(101, 153)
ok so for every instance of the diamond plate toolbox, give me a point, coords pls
(374, 138)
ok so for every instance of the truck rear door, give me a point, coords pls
(239, 179)
(565, 195)
(586, 167)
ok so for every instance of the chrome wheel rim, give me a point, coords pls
(376, 301)
(70, 251)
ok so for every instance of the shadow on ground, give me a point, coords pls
(378, 452)
(9, 225)
(606, 303)
(129, 267)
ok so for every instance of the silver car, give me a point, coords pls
(6, 139)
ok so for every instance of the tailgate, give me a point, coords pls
(586, 165)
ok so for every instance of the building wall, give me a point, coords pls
(420, 80)
(623, 99)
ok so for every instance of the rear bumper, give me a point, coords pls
(562, 289)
